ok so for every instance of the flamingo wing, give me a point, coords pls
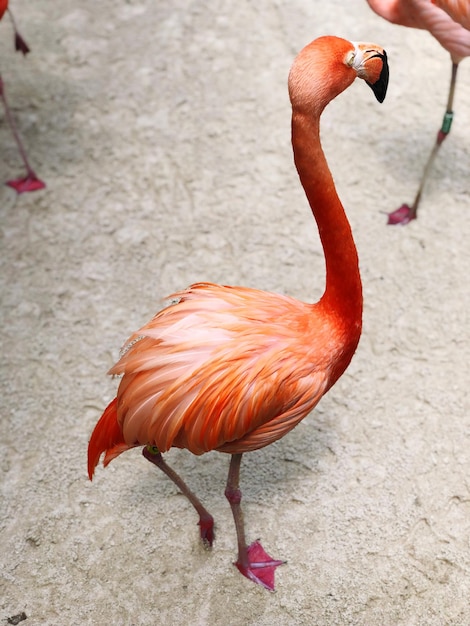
(459, 10)
(224, 368)
(426, 15)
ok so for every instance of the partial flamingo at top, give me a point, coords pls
(453, 35)
(459, 10)
(3, 7)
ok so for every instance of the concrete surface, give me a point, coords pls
(162, 130)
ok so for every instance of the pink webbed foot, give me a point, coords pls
(28, 183)
(401, 216)
(261, 567)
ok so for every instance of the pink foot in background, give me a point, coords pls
(28, 183)
(401, 216)
(261, 567)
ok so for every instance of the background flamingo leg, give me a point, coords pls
(253, 562)
(406, 213)
(30, 182)
(206, 521)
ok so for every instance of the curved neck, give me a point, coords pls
(343, 293)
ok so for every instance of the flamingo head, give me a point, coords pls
(328, 65)
(370, 63)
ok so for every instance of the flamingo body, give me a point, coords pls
(3, 7)
(234, 369)
(224, 368)
(425, 15)
(458, 10)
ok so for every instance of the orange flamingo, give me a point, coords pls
(234, 369)
(30, 182)
(425, 15)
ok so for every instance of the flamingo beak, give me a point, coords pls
(379, 86)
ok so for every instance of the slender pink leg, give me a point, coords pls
(406, 213)
(253, 562)
(30, 182)
(206, 521)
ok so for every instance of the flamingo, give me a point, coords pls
(459, 10)
(234, 369)
(30, 182)
(424, 14)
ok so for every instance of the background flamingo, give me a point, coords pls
(234, 369)
(30, 182)
(424, 14)
(459, 10)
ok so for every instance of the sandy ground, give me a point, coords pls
(162, 131)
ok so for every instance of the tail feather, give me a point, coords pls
(106, 437)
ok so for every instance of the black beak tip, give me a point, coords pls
(380, 86)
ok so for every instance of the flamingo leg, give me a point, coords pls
(30, 182)
(406, 213)
(20, 43)
(253, 562)
(206, 521)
